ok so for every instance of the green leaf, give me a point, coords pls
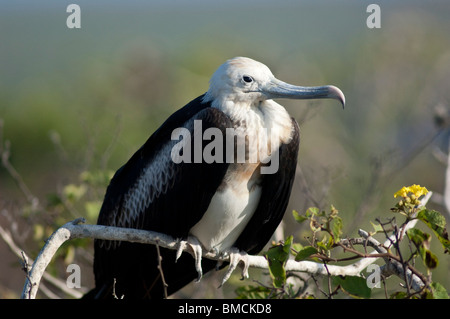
(287, 245)
(314, 225)
(305, 252)
(299, 218)
(296, 247)
(277, 257)
(325, 244)
(417, 236)
(353, 285)
(430, 259)
(336, 228)
(438, 291)
(377, 228)
(312, 211)
(422, 241)
(436, 222)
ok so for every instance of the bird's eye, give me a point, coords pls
(247, 79)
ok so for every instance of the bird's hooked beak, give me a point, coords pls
(276, 89)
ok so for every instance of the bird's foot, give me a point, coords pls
(236, 257)
(196, 251)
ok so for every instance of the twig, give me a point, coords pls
(26, 264)
(318, 287)
(161, 270)
(394, 265)
(330, 295)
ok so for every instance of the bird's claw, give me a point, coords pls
(236, 257)
(196, 251)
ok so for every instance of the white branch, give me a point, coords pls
(74, 229)
(7, 238)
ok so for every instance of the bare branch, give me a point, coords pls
(395, 267)
(26, 261)
(73, 230)
(161, 270)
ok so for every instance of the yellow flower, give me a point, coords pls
(417, 190)
(402, 192)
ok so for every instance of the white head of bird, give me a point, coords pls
(244, 89)
(244, 80)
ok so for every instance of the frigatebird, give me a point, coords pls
(189, 181)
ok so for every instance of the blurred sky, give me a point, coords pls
(35, 39)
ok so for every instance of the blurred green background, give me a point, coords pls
(75, 104)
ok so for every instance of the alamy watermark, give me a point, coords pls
(73, 21)
(239, 146)
(374, 279)
(74, 279)
(373, 21)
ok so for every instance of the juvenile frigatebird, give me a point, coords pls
(186, 181)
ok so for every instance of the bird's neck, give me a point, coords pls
(268, 122)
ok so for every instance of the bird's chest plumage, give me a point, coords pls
(231, 207)
(238, 196)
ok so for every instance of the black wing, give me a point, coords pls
(276, 190)
(152, 192)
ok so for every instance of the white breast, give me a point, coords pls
(228, 213)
